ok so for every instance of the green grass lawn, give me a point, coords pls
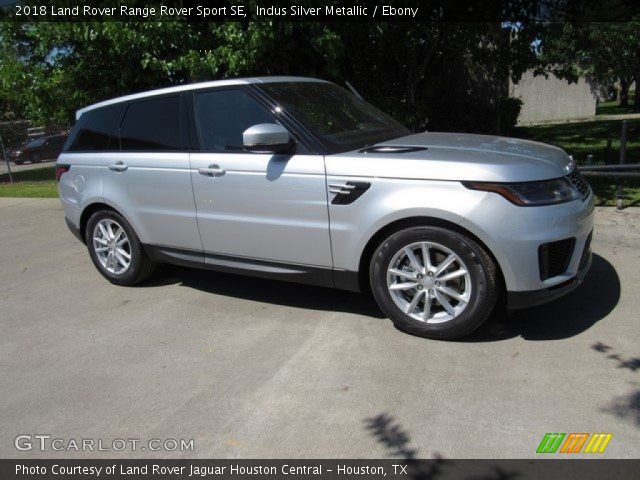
(582, 139)
(29, 189)
(613, 107)
(36, 183)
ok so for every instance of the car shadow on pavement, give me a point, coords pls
(267, 291)
(563, 318)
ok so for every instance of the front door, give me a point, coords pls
(254, 205)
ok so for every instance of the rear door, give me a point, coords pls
(255, 205)
(148, 179)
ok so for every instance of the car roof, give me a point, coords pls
(197, 86)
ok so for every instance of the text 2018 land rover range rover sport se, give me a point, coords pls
(297, 179)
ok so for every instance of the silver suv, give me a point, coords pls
(297, 179)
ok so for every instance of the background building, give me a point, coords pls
(547, 99)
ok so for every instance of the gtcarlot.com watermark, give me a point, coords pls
(48, 443)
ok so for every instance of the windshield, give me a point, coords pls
(340, 120)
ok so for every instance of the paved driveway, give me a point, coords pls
(253, 368)
(25, 166)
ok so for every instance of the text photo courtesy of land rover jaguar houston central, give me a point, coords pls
(298, 179)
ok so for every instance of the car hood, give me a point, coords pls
(454, 156)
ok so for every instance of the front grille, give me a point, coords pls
(554, 257)
(585, 253)
(579, 183)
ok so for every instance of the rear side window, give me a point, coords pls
(96, 130)
(151, 125)
(222, 116)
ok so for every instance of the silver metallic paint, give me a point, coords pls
(155, 194)
(457, 157)
(265, 206)
(265, 134)
(277, 207)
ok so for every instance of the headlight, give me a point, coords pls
(530, 194)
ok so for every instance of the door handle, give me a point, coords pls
(212, 171)
(118, 167)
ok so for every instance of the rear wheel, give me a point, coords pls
(433, 282)
(116, 250)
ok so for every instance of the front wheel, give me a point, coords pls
(116, 250)
(433, 282)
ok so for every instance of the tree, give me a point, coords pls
(428, 75)
(609, 52)
(59, 67)
(440, 76)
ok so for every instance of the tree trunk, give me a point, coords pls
(624, 92)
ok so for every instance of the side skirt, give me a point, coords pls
(288, 272)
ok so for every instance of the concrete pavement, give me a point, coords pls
(25, 166)
(252, 368)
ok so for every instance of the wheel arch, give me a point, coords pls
(416, 221)
(90, 210)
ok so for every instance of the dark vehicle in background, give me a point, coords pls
(43, 148)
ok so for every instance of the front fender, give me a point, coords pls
(388, 201)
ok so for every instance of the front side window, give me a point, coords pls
(151, 125)
(340, 120)
(223, 115)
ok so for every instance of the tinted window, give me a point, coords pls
(224, 115)
(339, 119)
(152, 125)
(98, 130)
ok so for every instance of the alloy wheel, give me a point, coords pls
(429, 282)
(112, 247)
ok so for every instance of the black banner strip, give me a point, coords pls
(401, 469)
(320, 11)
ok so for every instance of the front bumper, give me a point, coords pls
(515, 235)
(531, 298)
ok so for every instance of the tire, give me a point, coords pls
(18, 162)
(109, 263)
(35, 158)
(471, 277)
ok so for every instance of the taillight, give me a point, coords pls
(60, 169)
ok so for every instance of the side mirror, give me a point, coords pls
(267, 138)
